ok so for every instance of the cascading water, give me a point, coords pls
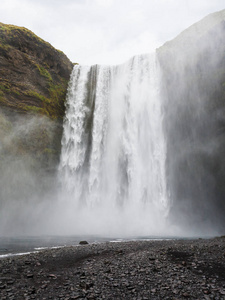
(112, 167)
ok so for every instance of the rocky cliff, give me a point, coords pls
(33, 84)
(193, 70)
(33, 74)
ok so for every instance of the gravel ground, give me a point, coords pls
(174, 269)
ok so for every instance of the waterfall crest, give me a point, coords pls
(113, 147)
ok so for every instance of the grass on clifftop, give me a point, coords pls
(35, 87)
(9, 32)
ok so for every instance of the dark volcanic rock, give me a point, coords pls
(182, 269)
(83, 243)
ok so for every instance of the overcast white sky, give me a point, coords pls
(106, 31)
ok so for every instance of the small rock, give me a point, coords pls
(2, 287)
(53, 276)
(186, 295)
(151, 258)
(83, 243)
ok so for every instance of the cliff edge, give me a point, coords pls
(33, 84)
(33, 74)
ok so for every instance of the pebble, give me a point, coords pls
(175, 269)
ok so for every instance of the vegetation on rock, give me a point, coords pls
(33, 74)
(33, 85)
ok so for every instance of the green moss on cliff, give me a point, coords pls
(51, 106)
(44, 72)
(57, 91)
(33, 84)
(34, 74)
(35, 95)
(13, 32)
(5, 87)
(34, 109)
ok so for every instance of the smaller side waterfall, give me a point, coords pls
(113, 148)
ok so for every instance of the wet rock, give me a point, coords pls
(83, 243)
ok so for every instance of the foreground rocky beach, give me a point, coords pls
(168, 269)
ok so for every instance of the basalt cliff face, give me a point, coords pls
(33, 84)
(193, 70)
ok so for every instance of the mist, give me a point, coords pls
(27, 178)
(142, 150)
(194, 124)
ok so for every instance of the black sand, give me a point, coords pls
(175, 269)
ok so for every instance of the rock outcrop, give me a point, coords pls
(33, 83)
(193, 67)
(33, 74)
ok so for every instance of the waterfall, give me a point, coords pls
(113, 148)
